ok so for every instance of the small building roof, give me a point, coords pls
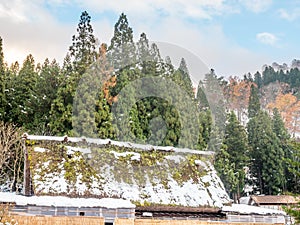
(249, 209)
(61, 201)
(274, 199)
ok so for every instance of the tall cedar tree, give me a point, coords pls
(122, 56)
(46, 88)
(294, 166)
(61, 107)
(266, 155)
(184, 78)
(211, 94)
(122, 48)
(82, 54)
(24, 95)
(84, 44)
(284, 137)
(254, 105)
(234, 157)
(258, 79)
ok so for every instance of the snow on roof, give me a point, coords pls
(117, 143)
(248, 209)
(134, 155)
(61, 201)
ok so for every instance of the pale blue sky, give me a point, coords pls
(233, 37)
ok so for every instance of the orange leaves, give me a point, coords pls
(109, 80)
(289, 108)
(238, 94)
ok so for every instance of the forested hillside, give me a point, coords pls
(251, 122)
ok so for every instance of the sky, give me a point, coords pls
(233, 37)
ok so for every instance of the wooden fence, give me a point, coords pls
(58, 220)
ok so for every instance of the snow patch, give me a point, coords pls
(134, 155)
(38, 149)
(248, 209)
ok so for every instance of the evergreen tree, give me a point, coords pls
(268, 75)
(145, 57)
(24, 96)
(61, 107)
(183, 78)
(46, 89)
(293, 162)
(201, 97)
(258, 79)
(236, 157)
(266, 155)
(205, 129)
(254, 105)
(283, 136)
(122, 49)
(82, 55)
(103, 116)
(213, 89)
(83, 48)
(10, 84)
(143, 49)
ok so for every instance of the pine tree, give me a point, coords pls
(84, 44)
(143, 49)
(201, 97)
(258, 79)
(61, 107)
(82, 54)
(254, 105)
(24, 95)
(184, 79)
(46, 89)
(293, 162)
(103, 116)
(10, 84)
(283, 136)
(266, 155)
(236, 153)
(268, 75)
(145, 57)
(122, 49)
(213, 89)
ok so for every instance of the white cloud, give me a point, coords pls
(27, 28)
(267, 38)
(203, 9)
(160, 20)
(257, 6)
(291, 15)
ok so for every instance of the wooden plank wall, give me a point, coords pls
(77, 220)
(58, 220)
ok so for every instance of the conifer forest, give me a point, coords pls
(252, 124)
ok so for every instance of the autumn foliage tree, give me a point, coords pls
(289, 107)
(238, 95)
